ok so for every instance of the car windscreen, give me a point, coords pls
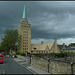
(0, 58)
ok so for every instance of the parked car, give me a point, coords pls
(13, 56)
(1, 58)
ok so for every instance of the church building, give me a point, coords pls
(24, 40)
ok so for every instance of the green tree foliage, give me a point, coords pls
(72, 44)
(63, 54)
(10, 39)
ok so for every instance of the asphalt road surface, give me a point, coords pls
(12, 67)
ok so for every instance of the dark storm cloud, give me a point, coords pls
(46, 35)
(53, 20)
(49, 19)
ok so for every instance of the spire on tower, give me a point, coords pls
(24, 13)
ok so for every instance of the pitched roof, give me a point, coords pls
(41, 46)
(61, 46)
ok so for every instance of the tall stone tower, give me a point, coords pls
(24, 37)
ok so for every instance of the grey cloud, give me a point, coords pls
(48, 19)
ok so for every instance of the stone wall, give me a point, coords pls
(55, 66)
(26, 58)
(73, 68)
(59, 67)
(40, 63)
(21, 57)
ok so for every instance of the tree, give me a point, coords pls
(10, 39)
(72, 44)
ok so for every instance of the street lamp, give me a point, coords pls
(30, 58)
(71, 62)
(65, 54)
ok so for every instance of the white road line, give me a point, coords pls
(3, 71)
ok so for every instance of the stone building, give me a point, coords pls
(45, 48)
(71, 47)
(24, 41)
(24, 31)
(62, 47)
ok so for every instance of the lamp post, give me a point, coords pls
(65, 54)
(30, 58)
(71, 62)
(48, 58)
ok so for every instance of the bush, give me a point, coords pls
(22, 53)
(38, 55)
(59, 54)
(17, 53)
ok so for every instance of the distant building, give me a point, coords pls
(62, 47)
(24, 41)
(71, 47)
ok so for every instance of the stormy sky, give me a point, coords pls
(48, 19)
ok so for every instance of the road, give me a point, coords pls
(12, 67)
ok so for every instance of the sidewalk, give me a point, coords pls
(30, 67)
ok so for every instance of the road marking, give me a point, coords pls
(1, 71)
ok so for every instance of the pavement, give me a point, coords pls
(31, 68)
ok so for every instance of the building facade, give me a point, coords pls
(45, 48)
(24, 32)
(62, 47)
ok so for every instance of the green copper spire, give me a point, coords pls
(24, 13)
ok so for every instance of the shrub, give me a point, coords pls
(22, 53)
(17, 53)
(38, 55)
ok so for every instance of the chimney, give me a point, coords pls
(41, 42)
(55, 40)
(63, 44)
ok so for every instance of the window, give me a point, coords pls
(46, 51)
(26, 45)
(25, 31)
(26, 48)
(34, 48)
(39, 51)
(36, 51)
(25, 37)
(22, 21)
